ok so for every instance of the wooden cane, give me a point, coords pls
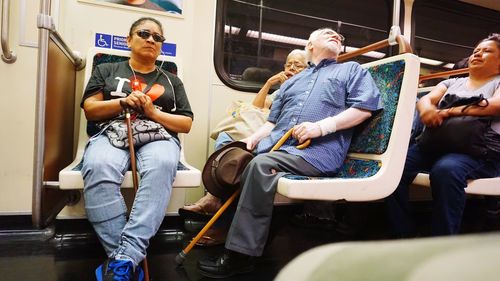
(135, 181)
(282, 140)
(179, 259)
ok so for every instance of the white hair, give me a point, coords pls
(313, 37)
(297, 52)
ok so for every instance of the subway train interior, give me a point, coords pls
(224, 51)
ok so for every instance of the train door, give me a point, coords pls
(18, 76)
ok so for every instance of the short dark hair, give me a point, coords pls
(141, 20)
(495, 37)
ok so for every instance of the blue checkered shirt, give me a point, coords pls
(318, 92)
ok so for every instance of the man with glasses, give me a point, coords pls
(323, 103)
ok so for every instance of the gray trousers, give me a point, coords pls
(252, 220)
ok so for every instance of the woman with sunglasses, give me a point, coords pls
(151, 94)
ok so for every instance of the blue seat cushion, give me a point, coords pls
(352, 168)
(372, 136)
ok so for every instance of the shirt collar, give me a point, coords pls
(324, 62)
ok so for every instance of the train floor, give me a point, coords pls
(70, 251)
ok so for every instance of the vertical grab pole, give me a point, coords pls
(41, 86)
(8, 56)
(395, 12)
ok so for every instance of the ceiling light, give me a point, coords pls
(300, 42)
(277, 38)
(449, 65)
(430, 61)
(372, 54)
(232, 29)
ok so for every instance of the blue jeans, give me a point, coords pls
(103, 168)
(222, 139)
(448, 177)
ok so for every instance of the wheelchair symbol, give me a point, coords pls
(101, 42)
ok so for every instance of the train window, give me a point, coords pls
(253, 37)
(446, 31)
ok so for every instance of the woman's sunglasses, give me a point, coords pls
(144, 34)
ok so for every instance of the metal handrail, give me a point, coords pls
(46, 22)
(443, 74)
(74, 56)
(8, 56)
(404, 47)
(46, 32)
(309, 16)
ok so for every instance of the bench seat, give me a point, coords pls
(489, 186)
(378, 149)
(71, 176)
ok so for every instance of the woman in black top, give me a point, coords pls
(156, 97)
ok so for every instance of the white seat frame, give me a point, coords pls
(385, 181)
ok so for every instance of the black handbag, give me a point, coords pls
(461, 134)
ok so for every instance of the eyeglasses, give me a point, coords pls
(335, 35)
(339, 37)
(144, 34)
(295, 65)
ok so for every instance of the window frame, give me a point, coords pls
(219, 54)
(219, 47)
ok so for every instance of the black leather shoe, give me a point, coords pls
(228, 264)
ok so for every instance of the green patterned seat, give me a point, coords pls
(376, 157)
(373, 135)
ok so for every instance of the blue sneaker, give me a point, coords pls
(118, 270)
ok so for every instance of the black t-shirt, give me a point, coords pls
(113, 80)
